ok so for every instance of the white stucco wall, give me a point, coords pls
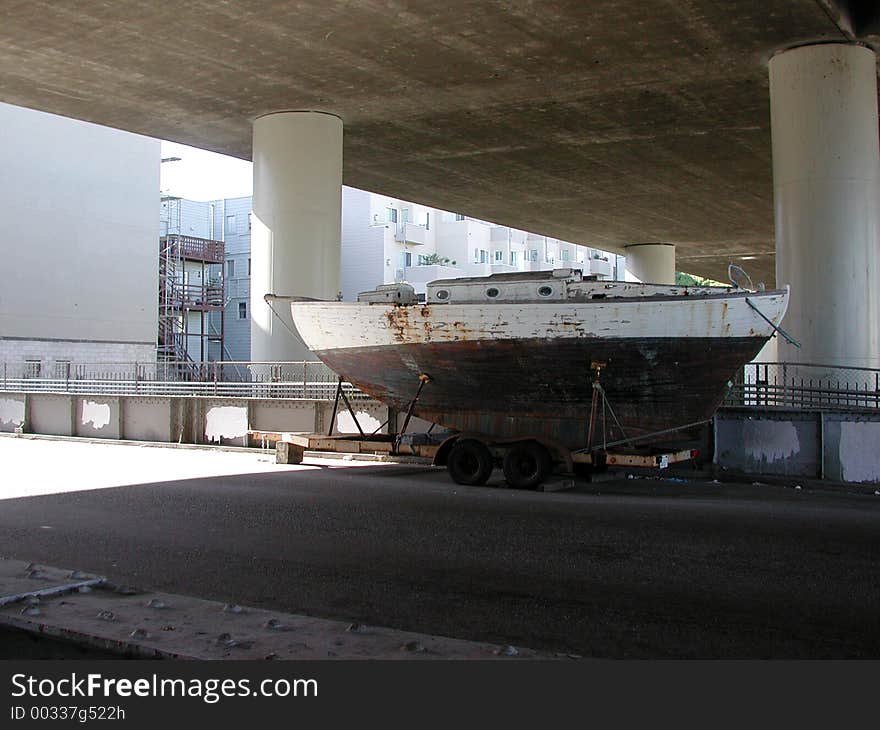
(79, 241)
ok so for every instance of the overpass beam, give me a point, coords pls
(296, 224)
(652, 263)
(826, 180)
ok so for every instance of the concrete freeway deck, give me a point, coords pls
(639, 568)
(600, 123)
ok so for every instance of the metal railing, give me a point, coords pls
(193, 248)
(293, 380)
(805, 386)
(768, 385)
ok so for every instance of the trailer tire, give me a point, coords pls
(469, 462)
(527, 465)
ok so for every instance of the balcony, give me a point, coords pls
(190, 248)
(411, 233)
(177, 296)
(600, 267)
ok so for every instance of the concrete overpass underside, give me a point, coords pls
(602, 123)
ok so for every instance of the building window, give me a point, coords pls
(565, 254)
(230, 224)
(249, 266)
(533, 255)
(230, 268)
(513, 258)
(499, 257)
(242, 310)
(391, 215)
(32, 368)
(427, 221)
(404, 215)
(459, 217)
(62, 369)
(484, 256)
(250, 220)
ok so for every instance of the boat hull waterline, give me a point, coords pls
(510, 370)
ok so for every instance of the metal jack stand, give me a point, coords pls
(423, 380)
(341, 392)
(600, 397)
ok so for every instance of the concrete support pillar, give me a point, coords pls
(652, 263)
(297, 219)
(826, 180)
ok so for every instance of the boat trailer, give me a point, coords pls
(527, 462)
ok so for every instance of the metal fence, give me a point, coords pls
(774, 385)
(296, 380)
(805, 386)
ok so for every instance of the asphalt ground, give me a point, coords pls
(630, 568)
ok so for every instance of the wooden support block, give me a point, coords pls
(288, 453)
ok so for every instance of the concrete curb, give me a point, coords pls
(88, 611)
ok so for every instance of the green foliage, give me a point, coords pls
(683, 279)
(436, 259)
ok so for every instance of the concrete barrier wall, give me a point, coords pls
(53, 414)
(183, 419)
(837, 446)
(852, 448)
(12, 411)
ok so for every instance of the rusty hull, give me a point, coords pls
(543, 388)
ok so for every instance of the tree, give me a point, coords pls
(683, 279)
(435, 258)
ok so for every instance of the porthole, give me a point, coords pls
(492, 292)
(545, 291)
(443, 294)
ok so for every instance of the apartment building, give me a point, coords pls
(419, 244)
(384, 240)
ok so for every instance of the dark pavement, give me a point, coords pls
(638, 568)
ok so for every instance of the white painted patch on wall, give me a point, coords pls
(226, 422)
(770, 441)
(11, 411)
(98, 414)
(858, 452)
(345, 423)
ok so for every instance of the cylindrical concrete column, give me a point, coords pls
(826, 181)
(296, 224)
(652, 263)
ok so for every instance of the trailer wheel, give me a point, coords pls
(469, 462)
(526, 465)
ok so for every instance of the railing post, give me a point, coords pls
(784, 383)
